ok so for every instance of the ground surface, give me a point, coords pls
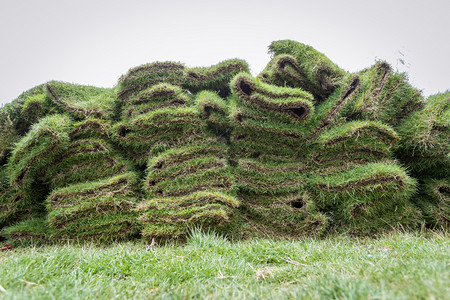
(396, 266)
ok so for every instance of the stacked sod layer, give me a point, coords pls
(366, 199)
(80, 101)
(351, 144)
(384, 96)
(155, 97)
(267, 140)
(425, 146)
(215, 78)
(158, 130)
(16, 118)
(145, 76)
(355, 180)
(93, 189)
(301, 66)
(189, 184)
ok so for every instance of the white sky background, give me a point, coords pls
(94, 42)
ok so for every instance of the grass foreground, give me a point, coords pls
(395, 266)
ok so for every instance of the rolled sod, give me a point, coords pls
(88, 156)
(425, 144)
(366, 183)
(274, 193)
(13, 207)
(33, 231)
(99, 209)
(80, 101)
(172, 217)
(384, 96)
(185, 169)
(158, 130)
(214, 78)
(299, 65)
(142, 77)
(155, 97)
(215, 110)
(44, 142)
(353, 142)
(368, 198)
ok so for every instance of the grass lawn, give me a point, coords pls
(395, 266)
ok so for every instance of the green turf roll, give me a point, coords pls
(215, 110)
(158, 130)
(299, 65)
(142, 77)
(33, 231)
(214, 78)
(87, 209)
(173, 217)
(353, 142)
(91, 128)
(13, 207)
(82, 101)
(384, 96)
(368, 198)
(425, 145)
(370, 182)
(295, 104)
(158, 96)
(85, 160)
(34, 152)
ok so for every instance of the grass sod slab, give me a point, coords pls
(78, 210)
(155, 97)
(37, 106)
(398, 265)
(313, 71)
(215, 110)
(384, 96)
(363, 184)
(254, 176)
(142, 77)
(214, 78)
(82, 101)
(34, 152)
(161, 128)
(247, 143)
(433, 200)
(426, 138)
(353, 142)
(170, 218)
(91, 128)
(85, 160)
(294, 103)
(26, 232)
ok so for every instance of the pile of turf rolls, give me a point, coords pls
(302, 149)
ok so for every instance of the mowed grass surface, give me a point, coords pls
(395, 266)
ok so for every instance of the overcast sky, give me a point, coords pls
(94, 42)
